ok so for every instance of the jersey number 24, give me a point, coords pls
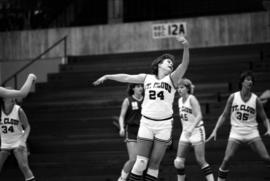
(154, 95)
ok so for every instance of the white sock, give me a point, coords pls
(124, 174)
(221, 179)
(210, 177)
(152, 172)
(181, 177)
(30, 178)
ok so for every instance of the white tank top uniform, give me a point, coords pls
(188, 119)
(157, 109)
(243, 119)
(11, 129)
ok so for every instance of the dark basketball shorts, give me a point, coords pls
(131, 133)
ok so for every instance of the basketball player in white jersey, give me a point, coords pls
(25, 89)
(155, 129)
(193, 133)
(14, 130)
(242, 107)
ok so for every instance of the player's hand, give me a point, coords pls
(213, 135)
(22, 143)
(264, 101)
(33, 77)
(122, 132)
(183, 41)
(100, 80)
(267, 133)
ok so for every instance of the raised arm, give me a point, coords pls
(23, 92)
(262, 115)
(121, 120)
(179, 72)
(226, 113)
(137, 79)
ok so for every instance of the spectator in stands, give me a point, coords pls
(14, 132)
(9, 93)
(242, 107)
(129, 121)
(155, 129)
(193, 132)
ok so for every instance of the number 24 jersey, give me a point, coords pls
(159, 97)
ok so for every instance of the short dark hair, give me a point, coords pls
(158, 60)
(130, 88)
(243, 76)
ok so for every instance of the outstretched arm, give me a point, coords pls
(264, 96)
(226, 113)
(23, 92)
(262, 115)
(137, 79)
(181, 69)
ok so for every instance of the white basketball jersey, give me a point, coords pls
(159, 97)
(187, 116)
(243, 114)
(11, 127)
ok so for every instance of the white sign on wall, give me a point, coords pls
(168, 30)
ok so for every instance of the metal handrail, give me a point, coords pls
(15, 75)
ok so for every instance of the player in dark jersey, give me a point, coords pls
(129, 122)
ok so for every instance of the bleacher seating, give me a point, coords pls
(73, 137)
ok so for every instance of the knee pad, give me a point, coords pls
(140, 164)
(179, 162)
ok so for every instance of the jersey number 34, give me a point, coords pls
(6, 129)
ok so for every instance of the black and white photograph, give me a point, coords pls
(134, 90)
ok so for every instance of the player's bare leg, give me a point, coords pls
(3, 157)
(200, 157)
(179, 162)
(158, 152)
(232, 146)
(131, 147)
(22, 159)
